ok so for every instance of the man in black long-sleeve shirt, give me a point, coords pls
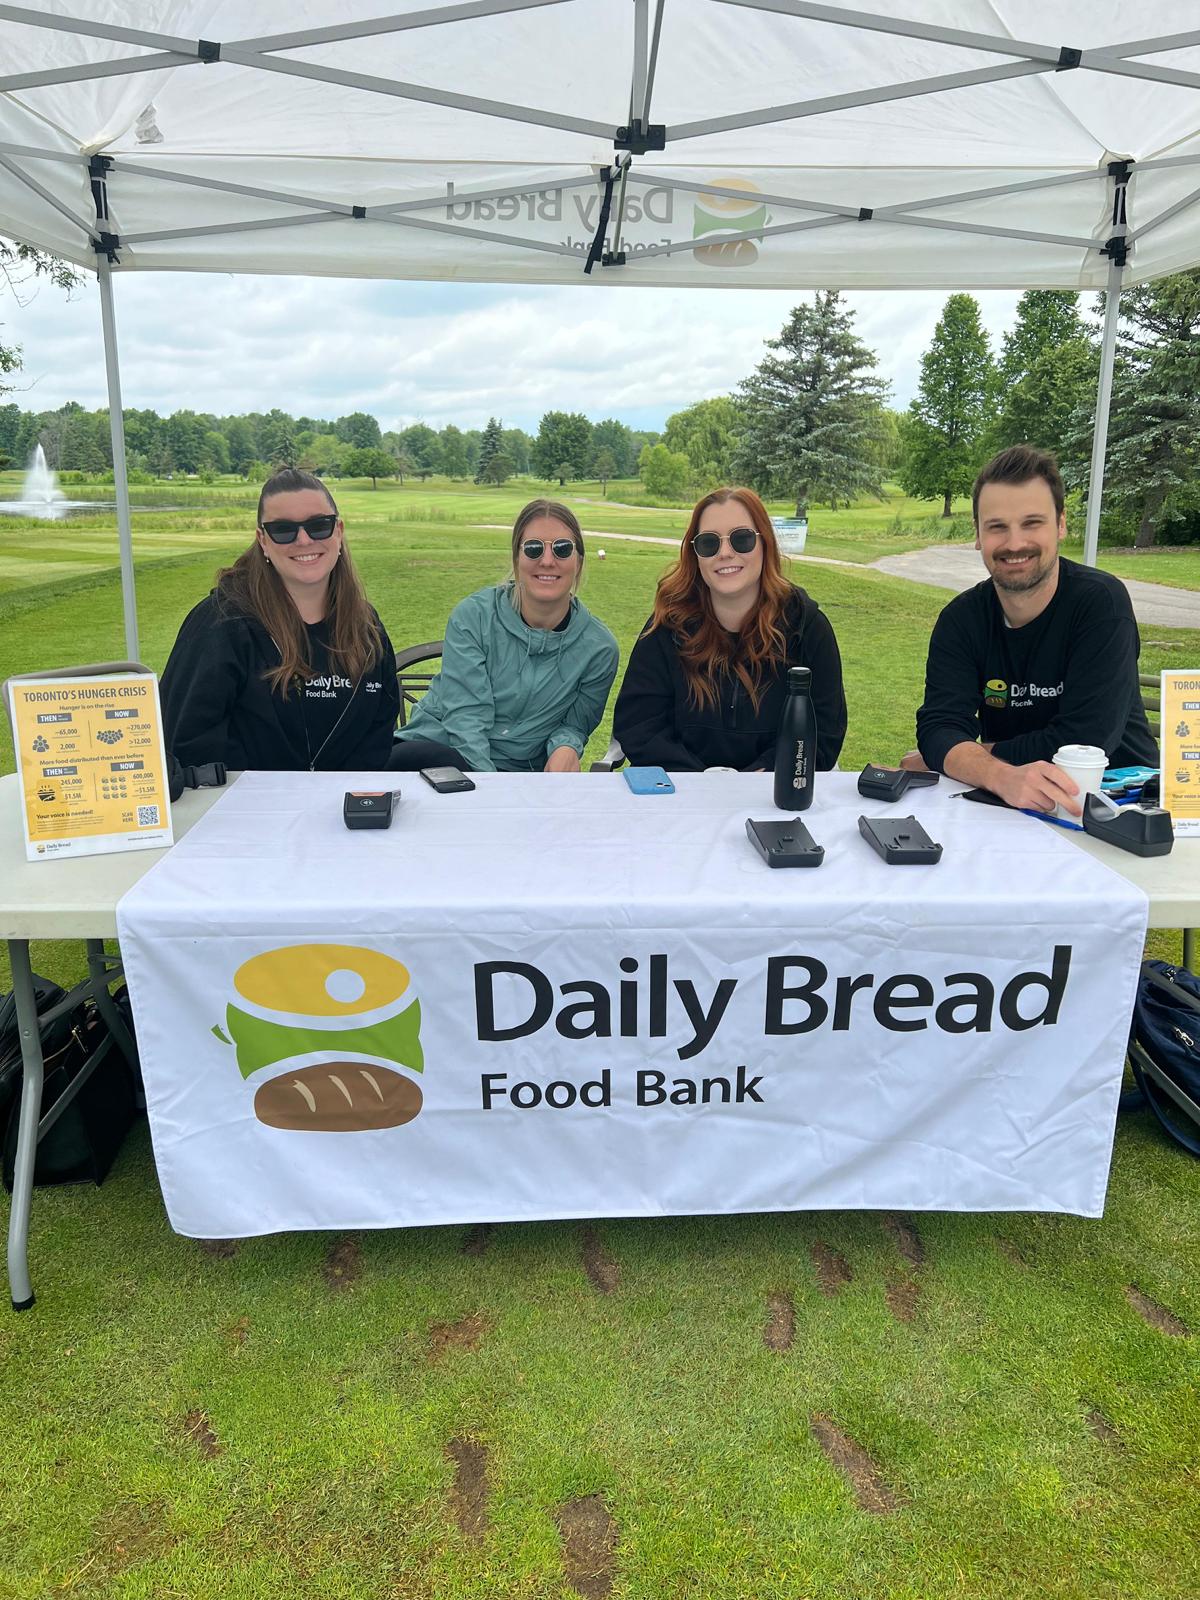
(1042, 653)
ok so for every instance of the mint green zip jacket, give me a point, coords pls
(509, 694)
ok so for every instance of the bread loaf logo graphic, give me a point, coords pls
(721, 213)
(995, 693)
(338, 1002)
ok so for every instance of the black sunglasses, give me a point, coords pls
(283, 530)
(741, 540)
(561, 548)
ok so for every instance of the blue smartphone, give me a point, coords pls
(648, 780)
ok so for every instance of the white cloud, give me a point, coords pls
(439, 352)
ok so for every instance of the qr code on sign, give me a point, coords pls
(148, 817)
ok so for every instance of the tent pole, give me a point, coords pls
(116, 423)
(1108, 349)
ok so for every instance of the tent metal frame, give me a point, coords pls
(637, 137)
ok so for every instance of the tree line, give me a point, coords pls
(811, 422)
(566, 446)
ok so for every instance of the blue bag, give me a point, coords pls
(1164, 1048)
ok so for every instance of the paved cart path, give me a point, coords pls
(957, 567)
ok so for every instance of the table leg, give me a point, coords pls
(31, 1109)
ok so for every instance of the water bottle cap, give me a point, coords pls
(799, 680)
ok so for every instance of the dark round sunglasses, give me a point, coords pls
(741, 541)
(561, 549)
(284, 531)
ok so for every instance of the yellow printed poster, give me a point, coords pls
(91, 763)
(1181, 751)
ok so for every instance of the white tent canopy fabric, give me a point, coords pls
(739, 143)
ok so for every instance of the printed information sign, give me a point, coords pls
(91, 763)
(1180, 739)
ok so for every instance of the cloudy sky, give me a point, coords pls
(433, 352)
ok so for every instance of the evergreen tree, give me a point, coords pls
(1045, 319)
(1154, 426)
(811, 412)
(489, 448)
(943, 432)
(1045, 365)
(1041, 408)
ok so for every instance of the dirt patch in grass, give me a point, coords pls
(833, 1270)
(589, 1537)
(343, 1264)
(1102, 1427)
(780, 1331)
(240, 1332)
(1157, 1316)
(908, 1240)
(902, 1297)
(600, 1267)
(219, 1249)
(464, 1334)
(856, 1466)
(478, 1238)
(1011, 1252)
(469, 1491)
(198, 1429)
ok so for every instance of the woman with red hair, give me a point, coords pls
(707, 678)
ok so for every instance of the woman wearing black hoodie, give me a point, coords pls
(707, 678)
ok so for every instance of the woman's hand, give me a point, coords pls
(564, 759)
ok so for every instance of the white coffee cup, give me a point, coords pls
(720, 769)
(1085, 763)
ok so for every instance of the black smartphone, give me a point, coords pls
(785, 844)
(446, 780)
(901, 841)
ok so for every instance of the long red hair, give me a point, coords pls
(683, 605)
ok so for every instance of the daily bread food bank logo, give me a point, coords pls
(995, 693)
(339, 1002)
(721, 213)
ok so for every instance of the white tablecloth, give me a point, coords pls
(942, 1037)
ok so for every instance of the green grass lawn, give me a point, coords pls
(674, 1405)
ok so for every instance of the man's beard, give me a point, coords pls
(1021, 582)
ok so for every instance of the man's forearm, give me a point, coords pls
(975, 764)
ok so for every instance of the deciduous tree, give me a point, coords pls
(943, 432)
(564, 438)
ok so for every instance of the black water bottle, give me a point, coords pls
(796, 746)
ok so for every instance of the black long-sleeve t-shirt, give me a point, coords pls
(1067, 677)
(659, 724)
(218, 705)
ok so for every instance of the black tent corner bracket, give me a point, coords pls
(1068, 57)
(1117, 250)
(107, 244)
(639, 137)
(208, 50)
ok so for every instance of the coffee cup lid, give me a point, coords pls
(1081, 755)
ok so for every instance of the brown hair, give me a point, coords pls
(683, 605)
(253, 587)
(1020, 464)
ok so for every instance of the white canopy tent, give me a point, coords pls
(734, 143)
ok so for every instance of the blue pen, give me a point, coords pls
(1059, 822)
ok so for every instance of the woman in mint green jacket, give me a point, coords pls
(526, 668)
